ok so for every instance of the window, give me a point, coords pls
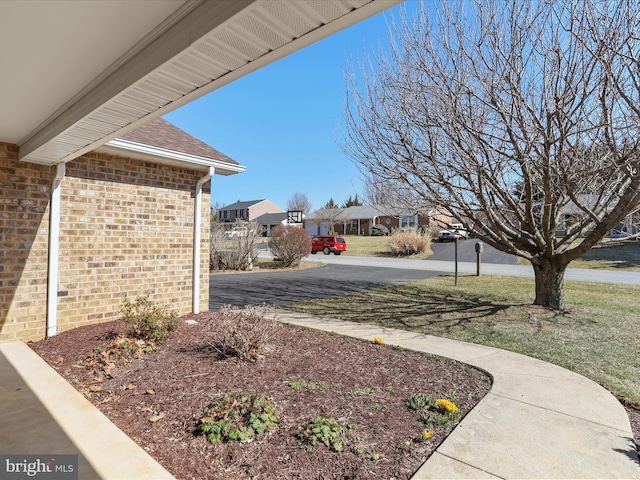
(409, 222)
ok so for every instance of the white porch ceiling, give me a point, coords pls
(78, 73)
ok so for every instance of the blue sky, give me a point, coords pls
(282, 122)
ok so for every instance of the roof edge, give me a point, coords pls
(172, 157)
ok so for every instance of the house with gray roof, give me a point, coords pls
(359, 220)
(247, 211)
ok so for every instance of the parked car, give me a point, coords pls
(327, 244)
(237, 232)
(446, 236)
(455, 230)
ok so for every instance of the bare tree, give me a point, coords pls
(299, 202)
(328, 217)
(506, 113)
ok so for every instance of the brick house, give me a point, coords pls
(358, 220)
(247, 211)
(88, 213)
(126, 227)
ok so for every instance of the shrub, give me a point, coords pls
(237, 416)
(148, 321)
(234, 249)
(409, 242)
(243, 333)
(323, 429)
(417, 401)
(289, 244)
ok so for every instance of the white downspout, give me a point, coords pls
(54, 252)
(197, 222)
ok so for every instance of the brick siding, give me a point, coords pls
(126, 229)
(25, 191)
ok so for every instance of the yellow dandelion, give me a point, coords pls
(427, 434)
(446, 405)
(378, 341)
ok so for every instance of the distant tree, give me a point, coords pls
(215, 215)
(299, 202)
(507, 113)
(352, 202)
(330, 204)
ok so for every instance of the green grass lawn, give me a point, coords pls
(365, 246)
(610, 255)
(597, 337)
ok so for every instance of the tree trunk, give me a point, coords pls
(549, 284)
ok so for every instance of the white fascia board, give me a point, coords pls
(161, 155)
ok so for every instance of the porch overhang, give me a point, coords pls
(196, 47)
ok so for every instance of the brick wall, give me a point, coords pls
(126, 228)
(24, 227)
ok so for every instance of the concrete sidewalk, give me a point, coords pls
(42, 414)
(538, 421)
(572, 274)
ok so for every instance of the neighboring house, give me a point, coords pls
(247, 211)
(570, 213)
(127, 218)
(359, 220)
(271, 220)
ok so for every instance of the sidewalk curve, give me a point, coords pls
(538, 421)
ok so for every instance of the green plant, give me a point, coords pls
(148, 321)
(359, 392)
(417, 401)
(243, 333)
(298, 384)
(237, 416)
(436, 418)
(323, 429)
(302, 383)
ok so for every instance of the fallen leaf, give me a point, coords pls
(151, 391)
(95, 388)
(155, 418)
(131, 386)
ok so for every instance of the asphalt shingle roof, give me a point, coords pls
(162, 134)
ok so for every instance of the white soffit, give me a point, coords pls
(210, 44)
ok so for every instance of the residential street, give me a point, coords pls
(280, 288)
(345, 274)
(467, 252)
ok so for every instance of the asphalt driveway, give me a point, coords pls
(281, 288)
(467, 253)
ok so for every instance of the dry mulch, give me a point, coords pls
(158, 400)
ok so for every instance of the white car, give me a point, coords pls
(455, 230)
(446, 236)
(237, 232)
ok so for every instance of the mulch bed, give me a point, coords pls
(159, 399)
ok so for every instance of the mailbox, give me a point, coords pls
(479, 247)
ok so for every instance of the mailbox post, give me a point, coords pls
(479, 249)
(455, 240)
